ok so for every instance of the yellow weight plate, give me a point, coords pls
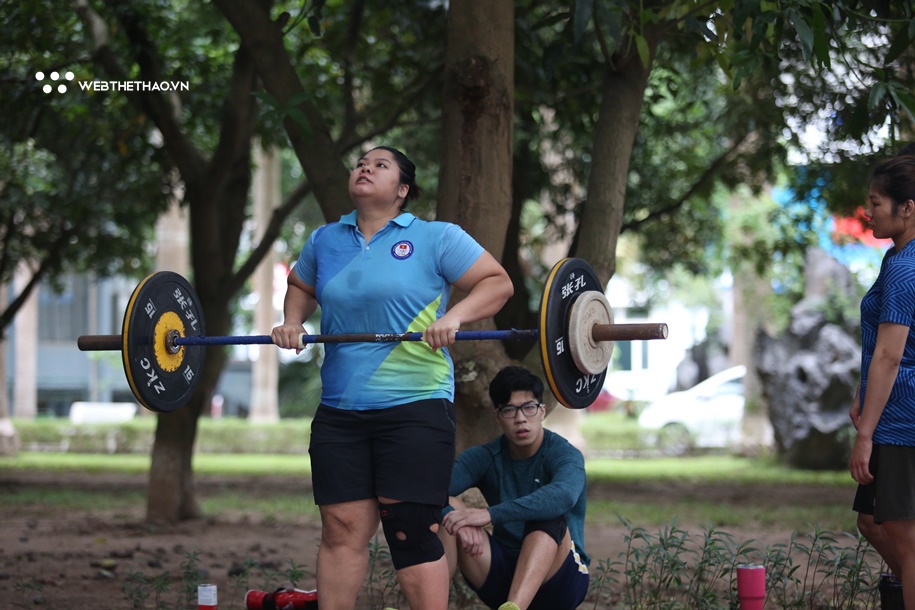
(164, 303)
(166, 323)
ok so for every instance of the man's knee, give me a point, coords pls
(411, 532)
(554, 528)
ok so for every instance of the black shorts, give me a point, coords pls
(404, 453)
(864, 499)
(564, 590)
(891, 496)
(864, 496)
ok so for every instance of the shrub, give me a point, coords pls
(673, 570)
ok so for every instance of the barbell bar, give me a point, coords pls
(614, 332)
(163, 338)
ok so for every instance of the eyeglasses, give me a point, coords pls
(511, 411)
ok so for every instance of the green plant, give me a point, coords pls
(462, 596)
(190, 578)
(670, 569)
(28, 586)
(833, 574)
(603, 579)
(381, 581)
(673, 570)
(242, 576)
(137, 589)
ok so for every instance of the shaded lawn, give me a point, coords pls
(719, 489)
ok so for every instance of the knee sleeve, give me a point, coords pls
(406, 528)
(554, 528)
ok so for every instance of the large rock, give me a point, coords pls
(809, 373)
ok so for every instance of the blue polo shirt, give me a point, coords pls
(398, 282)
(892, 299)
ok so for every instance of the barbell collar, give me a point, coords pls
(100, 343)
(629, 332)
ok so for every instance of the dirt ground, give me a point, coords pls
(81, 559)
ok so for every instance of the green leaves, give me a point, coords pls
(278, 112)
(805, 33)
(902, 98)
(312, 15)
(641, 46)
(902, 39)
(581, 17)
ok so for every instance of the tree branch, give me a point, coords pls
(308, 132)
(271, 232)
(239, 117)
(402, 103)
(8, 227)
(49, 262)
(161, 109)
(707, 176)
(350, 40)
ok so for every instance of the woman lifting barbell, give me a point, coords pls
(382, 440)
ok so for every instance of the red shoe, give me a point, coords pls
(281, 599)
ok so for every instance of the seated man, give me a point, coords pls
(533, 481)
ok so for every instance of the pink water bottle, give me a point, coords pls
(751, 586)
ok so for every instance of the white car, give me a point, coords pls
(707, 415)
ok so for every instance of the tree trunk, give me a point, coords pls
(217, 196)
(622, 94)
(25, 385)
(170, 496)
(475, 176)
(265, 368)
(9, 440)
(750, 316)
(170, 465)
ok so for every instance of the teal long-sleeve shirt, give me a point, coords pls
(546, 485)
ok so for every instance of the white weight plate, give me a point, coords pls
(589, 309)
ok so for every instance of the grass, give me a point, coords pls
(613, 431)
(75, 499)
(273, 507)
(834, 517)
(215, 464)
(733, 472)
(604, 507)
(226, 435)
(603, 431)
(281, 507)
(730, 469)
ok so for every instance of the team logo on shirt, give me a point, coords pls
(402, 250)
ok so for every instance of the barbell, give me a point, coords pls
(163, 339)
